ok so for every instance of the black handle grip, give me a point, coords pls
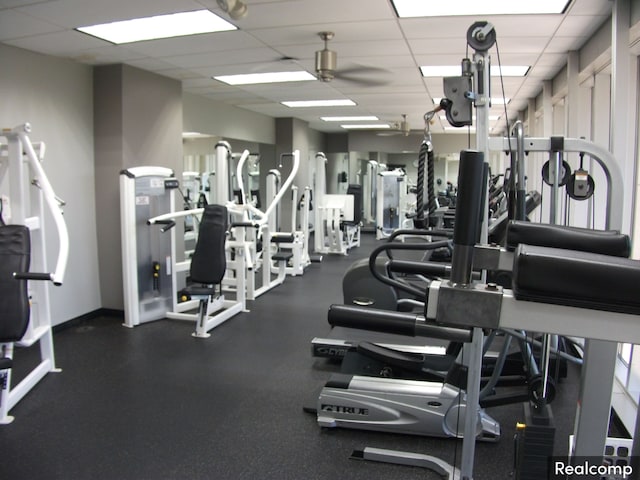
(372, 319)
(469, 201)
(168, 224)
(398, 323)
(243, 224)
(429, 269)
(46, 277)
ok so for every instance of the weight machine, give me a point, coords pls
(390, 201)
(369, 180)
(540, 301)
(151, 269)
(251, 227)
(338, 217)
(298, 241)
(25, 310)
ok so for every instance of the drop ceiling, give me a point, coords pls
(280, 35)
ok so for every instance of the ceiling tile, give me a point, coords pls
(565, 44)
(590, 7)
(344, 32)
(14, 24)
(313, 12)
(192, 44)
(18, 3)
(64, 44)
(228, 57)
(105, 55)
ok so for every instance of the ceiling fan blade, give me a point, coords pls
(363, 75)
(276, 64)
(361, 80)
(363, 70)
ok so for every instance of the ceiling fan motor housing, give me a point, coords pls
(326, 61)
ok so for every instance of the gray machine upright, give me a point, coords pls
(146, 192)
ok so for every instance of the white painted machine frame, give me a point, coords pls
(29, 192)
(252, 225)
(333, 210)
(300, 246)
(219, 309)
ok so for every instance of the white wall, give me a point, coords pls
(55, 96)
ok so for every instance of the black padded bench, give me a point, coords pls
(606, 242)
(576, 279)
(574, 266)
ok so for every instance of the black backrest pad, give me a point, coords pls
(577, 279)
(208, 263)
(570, 238)
(15, 248)
(356, 190)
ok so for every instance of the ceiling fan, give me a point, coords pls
(326, 67)
(399, 128)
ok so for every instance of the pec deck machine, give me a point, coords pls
(555, 289)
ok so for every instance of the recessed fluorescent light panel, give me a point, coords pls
(269, 77)
(159, 26)
(413, 8)
(319, 103)
(362, 118)
(355, 126)
(456, 71)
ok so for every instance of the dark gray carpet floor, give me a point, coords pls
(153, 403)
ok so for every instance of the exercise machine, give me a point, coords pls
(216, 262)
(154, 278)
(297, 242)
(250, 227)
(390, 200)
(25, 272)
(430, 408)
(340, 218)
(369, 180)
(539, 300)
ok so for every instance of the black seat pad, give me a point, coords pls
(199, 290)
(355, 190)
(605, 242)
(576, 279)
(15, 248)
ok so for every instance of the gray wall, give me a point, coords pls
(138, 121)
(204, 115)
(55, 96)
